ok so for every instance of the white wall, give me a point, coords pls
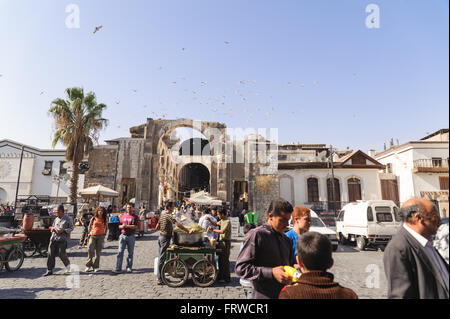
(32, 181)
(410, 184)
(370, 184)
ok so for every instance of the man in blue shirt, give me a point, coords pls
(301, 219)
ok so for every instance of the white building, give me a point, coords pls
(306, 179)
(419, 169)
(38, 175)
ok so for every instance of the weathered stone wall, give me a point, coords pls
(102, 165)
(139, 158)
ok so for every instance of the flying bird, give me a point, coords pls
(97, 29)
(226, 42)
(42, 92)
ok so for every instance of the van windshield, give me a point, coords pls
(317, 222)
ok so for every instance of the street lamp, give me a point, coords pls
(59, 178)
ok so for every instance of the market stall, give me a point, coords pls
(189, 255)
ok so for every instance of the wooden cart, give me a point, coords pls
(37, 242)
(182, 261)
(11, 253)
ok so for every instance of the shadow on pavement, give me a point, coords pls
(350, 249)
(25, 293)
(147, 238)
(346, 249)
(84, 253)
(23, 273)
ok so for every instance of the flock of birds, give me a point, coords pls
(217, 105)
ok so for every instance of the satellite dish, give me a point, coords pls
(66, 165)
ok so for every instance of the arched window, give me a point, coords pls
(313, 190)
(354, 189)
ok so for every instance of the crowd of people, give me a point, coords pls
(6, 210)
(413, 267)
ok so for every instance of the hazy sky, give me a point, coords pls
(312, 69)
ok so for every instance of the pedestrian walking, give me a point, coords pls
(61, 229)
(205, 222)
(266, 251)
(85, 220)
(413, 267)
(301, 220)
(129, 224)
(165, 227)
(224, 244)
(98, 228)
(113, 225)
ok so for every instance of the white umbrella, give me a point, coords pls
(99, 190)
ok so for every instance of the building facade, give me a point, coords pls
(306, 179)
(418, 169)
(43, 173)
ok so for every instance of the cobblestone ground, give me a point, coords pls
(359, 271)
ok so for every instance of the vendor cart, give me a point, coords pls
(11, 253)
(37, 242)
(182, 261)
(189, 255)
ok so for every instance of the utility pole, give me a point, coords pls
(18, 178)
(333, 195)
(115, 173)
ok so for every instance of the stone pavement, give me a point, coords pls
(353, 269)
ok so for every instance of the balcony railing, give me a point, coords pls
(431, 165)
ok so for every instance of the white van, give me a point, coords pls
(368, 222)
(319, 226)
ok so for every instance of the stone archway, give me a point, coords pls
(159, 167)
(193, 176)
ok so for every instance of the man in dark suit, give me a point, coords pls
(413, 267)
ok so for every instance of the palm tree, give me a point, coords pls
(78, 121)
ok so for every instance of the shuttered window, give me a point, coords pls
(443, 181)
(313, 190)
(354, 190)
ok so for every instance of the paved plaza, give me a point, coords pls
(361, 271)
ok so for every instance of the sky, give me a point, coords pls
(311, 69)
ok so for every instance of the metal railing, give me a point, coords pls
(431, 163)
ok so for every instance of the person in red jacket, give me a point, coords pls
(314, 258)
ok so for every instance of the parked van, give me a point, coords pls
(368, 222)
(319, 226)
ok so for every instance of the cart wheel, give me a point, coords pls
(14, 260)
(29, 248)
(2, 261)
(203, 273)
(174, 273)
